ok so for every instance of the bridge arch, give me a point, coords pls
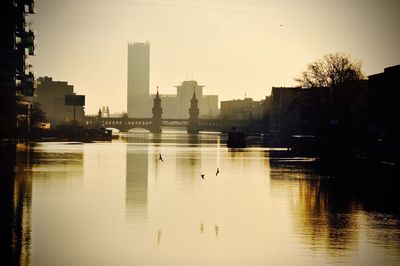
(124, 124)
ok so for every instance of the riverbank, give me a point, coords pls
(71, 133)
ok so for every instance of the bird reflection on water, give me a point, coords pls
(159, 237)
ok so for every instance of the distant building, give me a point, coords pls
(168, 104)
(242, 109)
(51, 96)
(383, 98)
(184, 93)
(177, 105)
(16, 77)
(174, 106)
(105, 111)
(139, 103)
(209, 106)
(285, 119)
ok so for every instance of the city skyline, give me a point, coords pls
(232, 47)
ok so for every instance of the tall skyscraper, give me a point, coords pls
(139, 102)
(17, 41)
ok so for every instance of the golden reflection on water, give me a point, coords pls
(328, 227)
(333, 216)
(118, 203)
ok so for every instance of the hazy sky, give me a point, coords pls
(230, 46)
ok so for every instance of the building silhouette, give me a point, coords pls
(16, 77)
(184, 94)
(285, 119)
(105, 111)
(169, 105)
(174, 106)
(243, 109)
(208, 104)
(51, 96)
(177, 105)
(383, 96)
(138, 80)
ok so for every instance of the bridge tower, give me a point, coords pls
(156, 121)
(193, 123)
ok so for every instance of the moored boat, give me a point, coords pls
(236, 139)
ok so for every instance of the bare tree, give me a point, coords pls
(330, 71)
(37, 115)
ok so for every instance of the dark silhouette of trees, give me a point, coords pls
(331, 71)
(37, 114)
(332, 103)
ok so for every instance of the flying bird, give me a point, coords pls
(160, 158)
(202, 176)
(217, 172)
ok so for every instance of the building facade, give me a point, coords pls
(242, 109)
(208, 104)
(383, 95)
(51, 96)
(184, 94)
(16, 77)
(169, 105)
(285, 118)
(139, 102)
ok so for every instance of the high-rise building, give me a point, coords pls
(184, 95)
(16, 78)
(139, 102)
(208, 104)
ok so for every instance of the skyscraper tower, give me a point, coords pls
(138, 80)
(16, 78)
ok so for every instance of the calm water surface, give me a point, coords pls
(118, 204)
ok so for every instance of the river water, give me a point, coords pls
(119, 204)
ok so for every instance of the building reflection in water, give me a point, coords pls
(136, 183)
(15, 205)
(329, 212)
(188, 163)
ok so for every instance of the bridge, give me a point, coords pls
(124, 124)
(194, 124)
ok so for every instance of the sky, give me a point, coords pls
(233, 47)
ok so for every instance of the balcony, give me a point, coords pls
(28, 38)
(30, 6)
(28, 88)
